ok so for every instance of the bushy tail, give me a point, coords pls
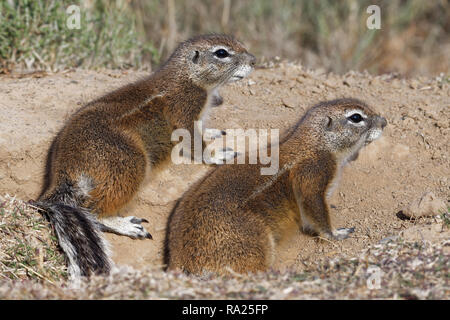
(79, 235)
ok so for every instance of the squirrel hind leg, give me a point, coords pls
(258, 257)
(126, 226)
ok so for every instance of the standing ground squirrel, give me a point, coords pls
(99, 159)
(233, 218)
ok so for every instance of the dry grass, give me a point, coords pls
(409, 270)
(414, 38)
(28, 248)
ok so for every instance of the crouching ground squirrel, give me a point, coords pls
(99, 159)
(233, 218)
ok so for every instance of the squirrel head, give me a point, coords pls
(346, 125)
(212, 60)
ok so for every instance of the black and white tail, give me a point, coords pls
(78, 232)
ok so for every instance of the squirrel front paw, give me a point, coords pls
(340, 234)
(221, 156)
(211, 134)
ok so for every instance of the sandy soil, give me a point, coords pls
(410, 159)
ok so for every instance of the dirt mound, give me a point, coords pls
(412, 157)
(394, 269)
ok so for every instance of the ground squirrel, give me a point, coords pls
(99, 159)
(232, 219)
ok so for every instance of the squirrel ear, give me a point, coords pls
(195, 58)
(329, 123)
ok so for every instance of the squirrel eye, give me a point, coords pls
(221, 53)
(356, 117)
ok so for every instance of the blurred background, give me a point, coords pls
(414, 38)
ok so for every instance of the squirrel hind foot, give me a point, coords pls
(126, 226)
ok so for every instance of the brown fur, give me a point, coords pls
(112, 141)
(233, 218)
